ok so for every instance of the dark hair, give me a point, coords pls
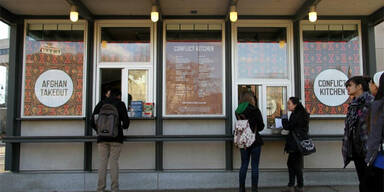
(115, 93)
(360, 80)
(299, 107)
(248, 96)
(380, 91)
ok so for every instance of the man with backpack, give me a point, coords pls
(109, 118)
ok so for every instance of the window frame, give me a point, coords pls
(206, 21)
(262, 82)
(125, 66)
(85, 43)
(326, 22)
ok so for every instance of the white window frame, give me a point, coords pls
(125, 66)
(85, 42)
(326, 22)
(222, 23)
(262, 82)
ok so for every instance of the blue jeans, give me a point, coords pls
(246, 154)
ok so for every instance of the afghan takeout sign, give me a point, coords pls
(329, 87)
(53, 88)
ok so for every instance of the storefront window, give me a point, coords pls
(125, 62)
(262, 53)
(4, 64)
(263, 66)
(138, 84)
(331, 54)
(379, 44)
(125, 44)
(276, 105)
(110, 79)
(194, 69)
(54, 70)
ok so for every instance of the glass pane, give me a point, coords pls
(110, 79)
(379, 43)
(276, 104)
(329, 50)
(262, 52)
(4, 64)
(137, 85)
(125, 44)
(54, 73)
(194, 72)
(244, 88)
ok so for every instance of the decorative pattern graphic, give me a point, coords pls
(262, 60)
(42, 56)
(125, 51)
(319, 56)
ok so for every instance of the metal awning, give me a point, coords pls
(184, 7)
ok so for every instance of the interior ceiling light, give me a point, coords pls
(233, 13)
(312, 15)
(74, 14)
(154, 14)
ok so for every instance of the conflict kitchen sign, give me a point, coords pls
(53, 78)
(329, 87)
(194, 78)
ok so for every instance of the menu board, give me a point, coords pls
(53, 78)
(194, 78)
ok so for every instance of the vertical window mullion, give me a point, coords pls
(124, 85)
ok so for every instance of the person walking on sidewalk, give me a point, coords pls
(109, 146)
(298, 124)
(375, 176)
(248, 109)
(355, 131)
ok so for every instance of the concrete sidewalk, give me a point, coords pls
(271, 189)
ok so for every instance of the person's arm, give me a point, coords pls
(260, 122)
(124, 116)
(95, 112)
(376, 135)
(289, 124)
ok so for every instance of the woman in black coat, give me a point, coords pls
(248, 109)
(297, 124)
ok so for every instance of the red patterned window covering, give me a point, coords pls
(322, 55)
(66, 56)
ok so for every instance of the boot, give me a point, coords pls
(242, 188)
(299, 189)
(254, 188)
(288, 189)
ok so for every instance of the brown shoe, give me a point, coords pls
(288, 189)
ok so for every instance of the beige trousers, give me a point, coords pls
(108, 151)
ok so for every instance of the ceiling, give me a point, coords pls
(184, 7)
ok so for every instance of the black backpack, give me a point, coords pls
(107, 123)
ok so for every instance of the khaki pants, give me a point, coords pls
(111, 151)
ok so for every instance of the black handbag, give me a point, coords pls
(306, 146)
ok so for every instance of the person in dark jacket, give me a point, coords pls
(375, 176)
(297, 124)
(248, 109)
(355, 131)
(109, 147)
